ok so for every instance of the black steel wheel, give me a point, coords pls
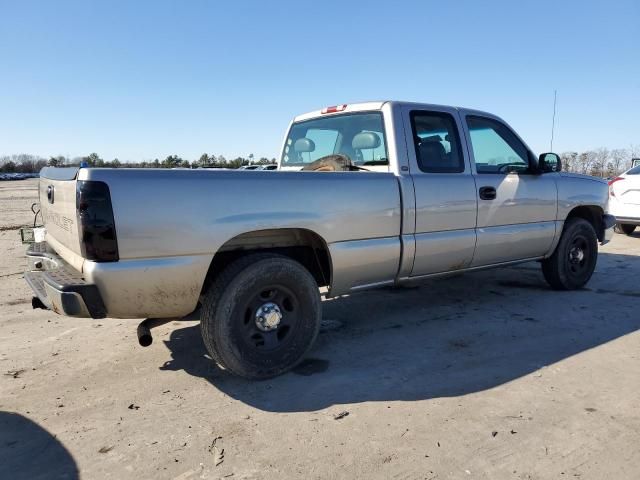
(261, 316)
(574, 260)
(270, 318)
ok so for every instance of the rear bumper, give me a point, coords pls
(59, 286)
(628, 220)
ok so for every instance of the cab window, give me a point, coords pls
(436, 142)
(358, 136)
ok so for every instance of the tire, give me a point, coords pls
(330, 163)
(574, 260)
(624, 228)
(233, 304)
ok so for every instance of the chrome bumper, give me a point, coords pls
(59, 286)
(628, 220)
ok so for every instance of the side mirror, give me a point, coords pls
(549, 162)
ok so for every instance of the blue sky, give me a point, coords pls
(145, 79)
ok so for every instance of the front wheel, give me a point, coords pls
(261, 316)
(624, 228)
(574, 260)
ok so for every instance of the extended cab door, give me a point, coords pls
(517, 207)
(445, 192)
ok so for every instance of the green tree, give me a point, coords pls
(8, 167)
(172, 161)
(204, 160)
(92, 159)
(237, 162)
(58, 161)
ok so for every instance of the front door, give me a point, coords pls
(517, 207)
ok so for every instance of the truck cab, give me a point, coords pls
(474, 194)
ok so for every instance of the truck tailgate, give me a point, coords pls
(57, 191)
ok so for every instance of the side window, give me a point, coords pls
(495, 148)
(437, 142)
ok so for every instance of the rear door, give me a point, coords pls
(445, 192)
(517, 208)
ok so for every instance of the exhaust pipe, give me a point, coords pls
(144, 330)
(144, 334)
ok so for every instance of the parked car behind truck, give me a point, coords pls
(624, 200)
(389, 193)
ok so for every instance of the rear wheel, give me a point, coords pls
(261, 316)
(624, 228)
(574, 260)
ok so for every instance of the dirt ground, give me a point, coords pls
(484, 376)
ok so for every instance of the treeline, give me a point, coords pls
(601, 162)
(24, 163)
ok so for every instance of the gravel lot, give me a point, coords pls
(484, 376)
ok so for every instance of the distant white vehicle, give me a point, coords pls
(271, 166)
(624, 200)
(249, 167)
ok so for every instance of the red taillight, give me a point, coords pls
(96, 227)
(611, 182)
(334, 109)
(614, 180)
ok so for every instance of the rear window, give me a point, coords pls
(358, 136)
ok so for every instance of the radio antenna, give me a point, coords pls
(553, 122)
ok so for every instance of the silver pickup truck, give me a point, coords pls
(365, 195)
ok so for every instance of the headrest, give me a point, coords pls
(430, 149)
(432, 138)
(365, 140)
(304, 145)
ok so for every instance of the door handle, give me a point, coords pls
(487, 193)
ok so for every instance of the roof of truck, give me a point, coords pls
(374, 105)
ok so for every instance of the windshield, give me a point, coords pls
(634, 171)
(358, 136)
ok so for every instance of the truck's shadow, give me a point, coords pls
(28, 451)
(448, 337)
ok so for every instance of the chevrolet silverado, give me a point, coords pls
(366, 195)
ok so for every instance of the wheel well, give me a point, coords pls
(592, 214)
(304, 246)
